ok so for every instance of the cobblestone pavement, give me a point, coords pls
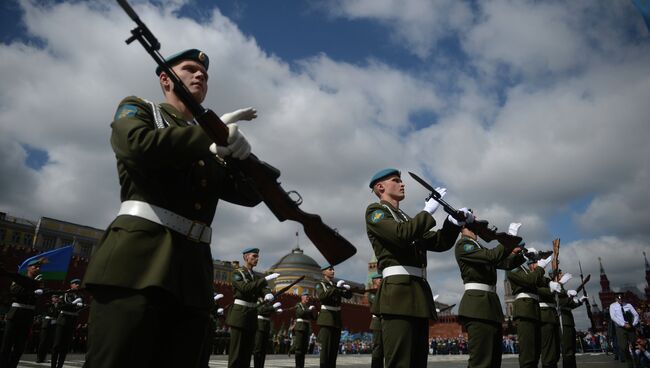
(348, 361)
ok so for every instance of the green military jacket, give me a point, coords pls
(170, 167)
(330, 296)
(22, 295)
(66, 305)
(547, 315)
(479, 265)
(265, 310)
(375, 322)
(247, 287)
(303, 312)
(523, 280)
(399, 240)
(567, 304)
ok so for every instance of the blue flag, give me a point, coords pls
(54, 264)
(644, 8)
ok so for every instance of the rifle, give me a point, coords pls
(479, 227)
(446, 308)
(555, 264)
(334, 247)
(584, 292)
(583, 283)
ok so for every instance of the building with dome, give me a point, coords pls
(292, 266)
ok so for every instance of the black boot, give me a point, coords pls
(55, 357)
(61, 360)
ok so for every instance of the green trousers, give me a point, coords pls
(550, 345)
(377, 360)
(131, 328)
(261, 344)
(300, 346)
(15, 336)
(530, 343)
(240, 349)
(329, 338)
(485, 340)
(405, 341)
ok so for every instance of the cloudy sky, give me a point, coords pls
(527, 111)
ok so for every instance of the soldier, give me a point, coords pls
(377, 360)
(568, 302)
(151, 277)
(329, 318)
(302, 329)
(550, 324)
(242, 317)
(624, 318)
(69, 308)
(48, 327)
(404, 301)
(525, 281)
(480, 309)
(20, 317)
(264, 312)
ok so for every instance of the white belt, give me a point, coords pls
(194, 230)
(264, 318)
(24, 306)
(48, 317)
(245, 303)
(527, 295)
(70, 313)
(404, 270)
(330, 308)
(546, 305)
(300, 320)
(482, 287)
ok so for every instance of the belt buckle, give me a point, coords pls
(190, 232)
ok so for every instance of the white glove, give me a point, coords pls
(311, 307)
(39, 277)
(271, 276)
(217, 297)
(346, 286)
(340, 283)
(220, 311)
(545, 262)
(432, 205)
(279, 310)
(79, 304)
(437, 310)
(571, 293)
(469, 217)
(238, 147)
(77, 301)
(248, 113)
(565, 278)
(583, 299)
(576, 300)
(38, 291)
(532, 250)
(269, 297)
(513, 229)
(555, 287)
(277, 305)
(435, 297)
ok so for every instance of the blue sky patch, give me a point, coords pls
(36, 158)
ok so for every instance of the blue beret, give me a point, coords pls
(382, 174)
(191, 54)
(305, 292)
(326, 267)
(375, 275)
(35, 261)
(75, 281)
(251, 250)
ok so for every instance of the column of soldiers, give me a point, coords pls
(302, 328)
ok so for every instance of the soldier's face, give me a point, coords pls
(393, 187)
(329, 273)
(33, 270)
(194, 76)
(252, 259)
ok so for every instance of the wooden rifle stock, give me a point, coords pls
(584, 293)
(263, 176)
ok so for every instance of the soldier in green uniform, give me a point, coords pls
(404, 301)
(377, 360)
(302, 328)
(480, 309)
(525, 281)
(329, 318)
(48, 327)
(20, 317)
(568, 302)
(550, 324)
(264, 312)
(69, 308)
(242, 317)
(151, 277)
